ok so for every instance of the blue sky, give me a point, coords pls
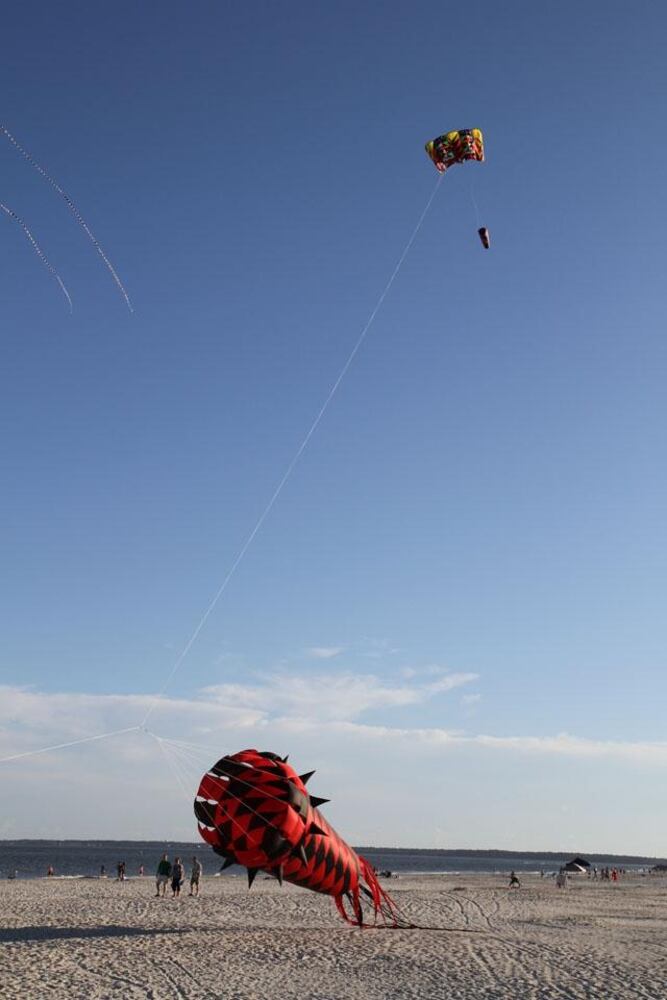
(483, 501)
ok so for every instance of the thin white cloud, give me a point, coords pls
(281, 705)
(470, 699)
(577, 746)
(330, 696)
(562, 744)
(26, 714)
(133, 785)
(377, 649)
(323, 652)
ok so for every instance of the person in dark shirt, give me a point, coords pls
(162, 875)
(177, 877)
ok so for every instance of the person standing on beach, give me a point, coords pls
(121, 871)
(162, 875)
(177, 878)
(195, 876)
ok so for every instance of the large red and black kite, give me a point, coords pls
(254, 810)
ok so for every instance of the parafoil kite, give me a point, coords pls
(254, 810)
(456, 147)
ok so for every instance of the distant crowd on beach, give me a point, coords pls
(167, 874)
(593, 874)
(173, 875)
(607, 874)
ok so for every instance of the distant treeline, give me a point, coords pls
(628, 859)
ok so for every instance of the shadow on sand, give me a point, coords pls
(63, 933)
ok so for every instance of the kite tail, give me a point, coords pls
(72, 207)
(38, 250)
(383, 904)
(353, 897)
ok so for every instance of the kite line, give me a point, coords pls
(72, 743)
(38, 250)
(297, 455)
(73, 209)
(277, 491)
(474, 202)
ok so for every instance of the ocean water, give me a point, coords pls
(32, 858)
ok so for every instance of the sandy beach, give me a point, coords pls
(93, 938)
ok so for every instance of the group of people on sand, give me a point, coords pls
(121, 871)
(166, 872)
(607, 874)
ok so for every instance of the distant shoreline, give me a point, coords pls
(464, 852)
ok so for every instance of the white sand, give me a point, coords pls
(99, 939)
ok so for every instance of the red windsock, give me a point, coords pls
(254, 810)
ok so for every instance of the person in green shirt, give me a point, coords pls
(162, 875)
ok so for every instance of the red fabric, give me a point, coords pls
(254, 810)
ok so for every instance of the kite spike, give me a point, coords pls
(316, 801)
(314, 828)
(285, 758)
(227, 863)
(305, 778)
(300, 853)
(251, 876)
(279, 874)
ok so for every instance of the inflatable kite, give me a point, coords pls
(254, 810)
(456, 147)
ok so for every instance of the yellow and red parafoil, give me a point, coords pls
(456, 147)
